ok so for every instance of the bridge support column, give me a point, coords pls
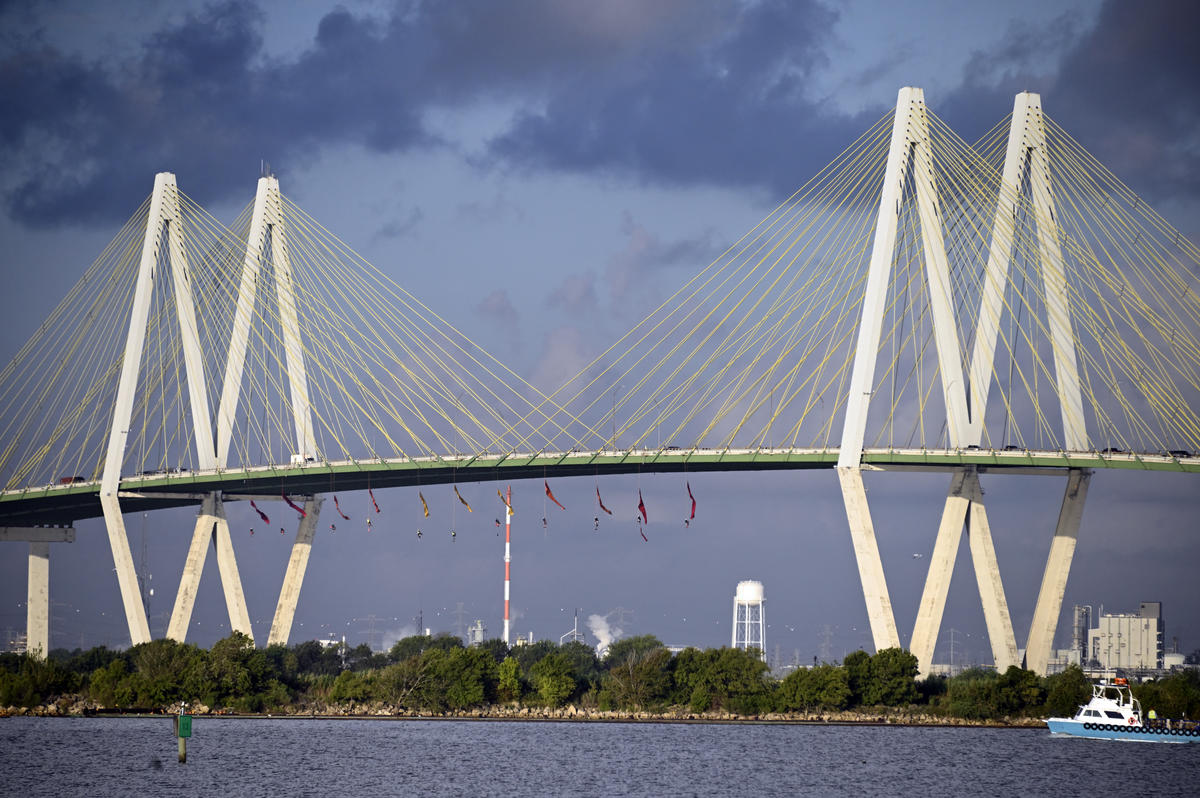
(289, 595)
(1058, 567)
(211, 526)
(131, 597)
(964, 507)
(37, 596)
(941, 567)
(987, 576)
(231, 580)
(193, 567)
(866, 553)
(37, 602)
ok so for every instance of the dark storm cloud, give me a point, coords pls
(733, 112)
(1129, 90)
(1125, 89)
(674, 92)
(201, 98)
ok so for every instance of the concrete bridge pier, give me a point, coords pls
(211, 527)
(289, 594)
(37, 602)
(1058, 568)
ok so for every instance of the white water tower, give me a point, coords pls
(749, 617)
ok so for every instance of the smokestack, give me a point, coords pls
(507, 556)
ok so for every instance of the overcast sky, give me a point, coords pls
(514, 164)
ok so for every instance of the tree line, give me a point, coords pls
(438, 674)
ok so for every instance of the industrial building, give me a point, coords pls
(1128, 641)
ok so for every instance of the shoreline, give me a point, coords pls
(568, 714)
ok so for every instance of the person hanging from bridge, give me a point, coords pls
(261, 515)
(550, 494)
(461, 499)
(369, 525)
(643, 518)
(453, 534)
(333, 528)
(339, 508)
(599, 501)
(294, 506)
(418, 534)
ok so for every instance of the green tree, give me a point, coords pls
(361, 658)
(164, 669)
(891, 681)
(823, 687)
(109, 686)
(1174, 696)
(1066, 691)
(351, 687)
(931, 688)
(84, 662)
(726, 678)
(509, 687)
(405, 683)
(553, 678)
(640, 678)
(469, 676)
(496, 647)
(685, 670)
(28, 680)
(528, 656)
(584, 665)
(315, 659)
(628, 646)
(284, 663)
(973, 694)
(858, 673)
(239, 676)
(1019, 692)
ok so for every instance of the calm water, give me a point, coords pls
(247, 757)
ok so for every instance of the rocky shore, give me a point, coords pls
(76, 706)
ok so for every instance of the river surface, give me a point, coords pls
(320, 757)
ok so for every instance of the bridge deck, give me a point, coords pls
(65, 504)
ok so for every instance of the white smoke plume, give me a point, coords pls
(605, 633)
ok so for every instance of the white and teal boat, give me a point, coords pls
(1114, 714)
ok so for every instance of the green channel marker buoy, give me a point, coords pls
(183, 730)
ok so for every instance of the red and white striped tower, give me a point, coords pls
(507, 556)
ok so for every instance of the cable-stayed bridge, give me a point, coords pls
(921, 303)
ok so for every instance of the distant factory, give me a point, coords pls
(1130, 642)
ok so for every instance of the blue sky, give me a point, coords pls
(520, 166)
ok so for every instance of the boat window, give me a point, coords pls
(1091, 713)
(1112, 714)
